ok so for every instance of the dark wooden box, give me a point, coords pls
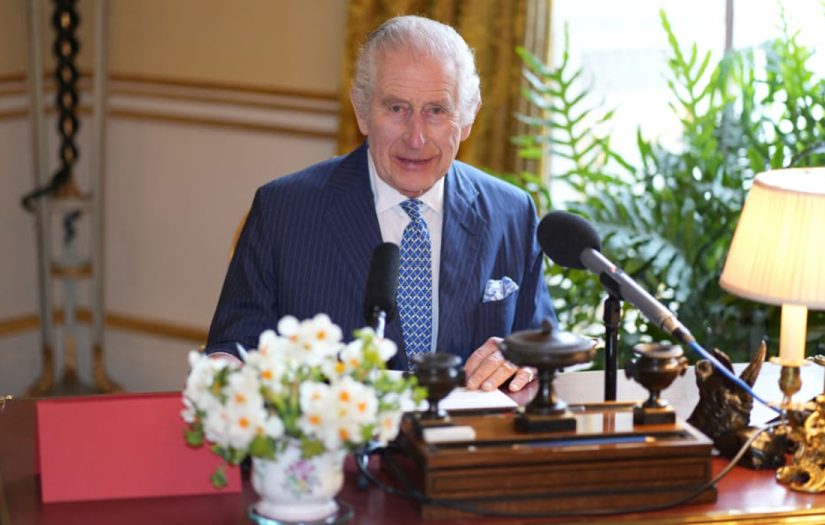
(607, 463)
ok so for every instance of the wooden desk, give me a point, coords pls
(744, 496)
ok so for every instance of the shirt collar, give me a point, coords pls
(387, 197)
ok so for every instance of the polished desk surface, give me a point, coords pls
(745, 496)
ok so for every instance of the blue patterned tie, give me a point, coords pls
(415, 282)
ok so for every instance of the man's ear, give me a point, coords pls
(361, 119)
(465, 130)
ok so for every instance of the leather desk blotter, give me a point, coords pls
(121, 446)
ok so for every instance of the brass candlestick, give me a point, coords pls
(790, 382)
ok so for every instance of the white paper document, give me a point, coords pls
(462, 399)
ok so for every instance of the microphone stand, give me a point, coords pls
(377, 321)
(612, 317)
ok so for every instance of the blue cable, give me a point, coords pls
(730, 375)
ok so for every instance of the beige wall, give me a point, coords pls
(287, 44)
(12, 36)
(209, 99)
(293, 44)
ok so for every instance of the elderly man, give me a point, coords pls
(470, 268)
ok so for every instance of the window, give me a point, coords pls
(621, 47)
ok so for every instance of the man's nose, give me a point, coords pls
(416, 131)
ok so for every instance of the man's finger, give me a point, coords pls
(479, 356)
(522, 377)
(502, 373)
(492, 372)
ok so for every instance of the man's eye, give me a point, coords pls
(396, 108)
(438, 112)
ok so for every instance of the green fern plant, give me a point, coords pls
(668, 221)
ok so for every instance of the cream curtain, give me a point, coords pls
(493, 28)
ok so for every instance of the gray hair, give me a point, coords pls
(419, 35)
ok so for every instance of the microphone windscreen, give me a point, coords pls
(563, 236)
(382, 281)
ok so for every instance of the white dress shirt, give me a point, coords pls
(393, 220)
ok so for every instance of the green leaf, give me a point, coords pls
(311, 448)
(262, 447)
(193, 436)
(218, 477)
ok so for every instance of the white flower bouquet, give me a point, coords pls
(303, 385)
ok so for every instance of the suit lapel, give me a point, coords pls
(350, 216)
(460, 247)
(351, 219)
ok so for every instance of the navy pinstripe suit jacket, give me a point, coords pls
(307, 244)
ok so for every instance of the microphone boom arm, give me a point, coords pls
(627, 289)
(656, 312)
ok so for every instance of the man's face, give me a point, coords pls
(413, 125)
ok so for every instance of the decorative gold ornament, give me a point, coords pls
(806, 428)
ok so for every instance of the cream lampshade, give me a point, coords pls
(778, 251)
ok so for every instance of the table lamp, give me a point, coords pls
(777, 256)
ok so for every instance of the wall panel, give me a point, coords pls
(209, 100)
(288, 43)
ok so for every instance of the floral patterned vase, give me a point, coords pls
(293, 489)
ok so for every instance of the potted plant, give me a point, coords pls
(297, 406)
(667, 218)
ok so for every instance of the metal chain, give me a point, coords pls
(66, 46)
(65, 21)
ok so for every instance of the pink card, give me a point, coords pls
(121, 446)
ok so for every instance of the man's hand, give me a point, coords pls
(487, 369)
(226, 356)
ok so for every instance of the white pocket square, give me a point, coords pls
(498, 289)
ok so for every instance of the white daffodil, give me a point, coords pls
(388, 425)
(273, 427)
(271, 371)
(291, 348)
(216, 426)
(352, 356)
(365, 406)
(353, 401)
(244, 391)
(267, 342)
(199, 383)
(245, 422)
(342, 431)
(314, 396)
(353, 353)
(322, 333)
(288, 326)
(314, 423)
(386, 348)
(189, 412)
(312, 341)
(333, 369)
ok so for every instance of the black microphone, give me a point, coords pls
(571, 241)
(382, 287)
